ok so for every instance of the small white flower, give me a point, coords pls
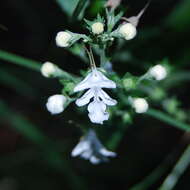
(48, 69)
(62, 39)
(158, 72)
(95, 81)
(90, 148)
(55, 103)
(128, 31)
(140, 105)
(97, 27)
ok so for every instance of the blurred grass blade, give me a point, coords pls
(32, 133)
(168, 119)
(159, 171)
(178, 170)
(34, 65)
(116, 138)
(79, 51)
(79, 8)
(179, 18)
(68, 6)
(23, 126)
(175, 79)
(10, 57)
(16, 84)
(150, 179)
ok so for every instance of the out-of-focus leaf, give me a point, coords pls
(179, 18)
(80, 8)
(79, 51)
(168, 119)
(10, 57)
(16, 84)
(68, 6)
(175, 79)
(50, 150)
(178, 170)
(23, 126)
(116, 138)
(96, 7)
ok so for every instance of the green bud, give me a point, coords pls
(126, 117)
(129, 83)
(69, 86)
(181, 115)
(171, 105)
(157, 94)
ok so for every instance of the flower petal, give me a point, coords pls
(107, 153)
(98, 117)
(87, 154)
(96, 106)
(95, 160)
(106, 98)
(95, 79)
(97, 112)
(85, 99)
(80, 148)
(84, 84)
(104, 81)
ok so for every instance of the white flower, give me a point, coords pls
(128, 31)
(55, 103)
(97, 27)
(158, 72)
(62, 39)
(48, 69)
(95, 81)
(140, 105)
(90, 148)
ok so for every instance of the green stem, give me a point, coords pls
(143, 77)
(168, 119)
(178, 170)
(103, 58)
(116, 138)
(30, 64)
(10, 57)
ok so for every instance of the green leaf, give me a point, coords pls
(80, 8)
(49, 149)
(179, 18)
(177, 171)
(168, 119)
(15, 83)
(10, 57)
(68, 6)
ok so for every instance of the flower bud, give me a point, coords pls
(128, 31)
(158, 72)
(48, 69)
(97, 28)
(129, 83)
(62, 39)
(55, 103)
(140, 105)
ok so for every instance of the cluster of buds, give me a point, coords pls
(126, 30)
(97, 100)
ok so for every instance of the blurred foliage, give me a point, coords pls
(145, 160)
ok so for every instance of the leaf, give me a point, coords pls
(50, 149)
(80, 8)
(67, 6)
(10, 57)
(179, 18)
(168, 119)
(15, 83)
